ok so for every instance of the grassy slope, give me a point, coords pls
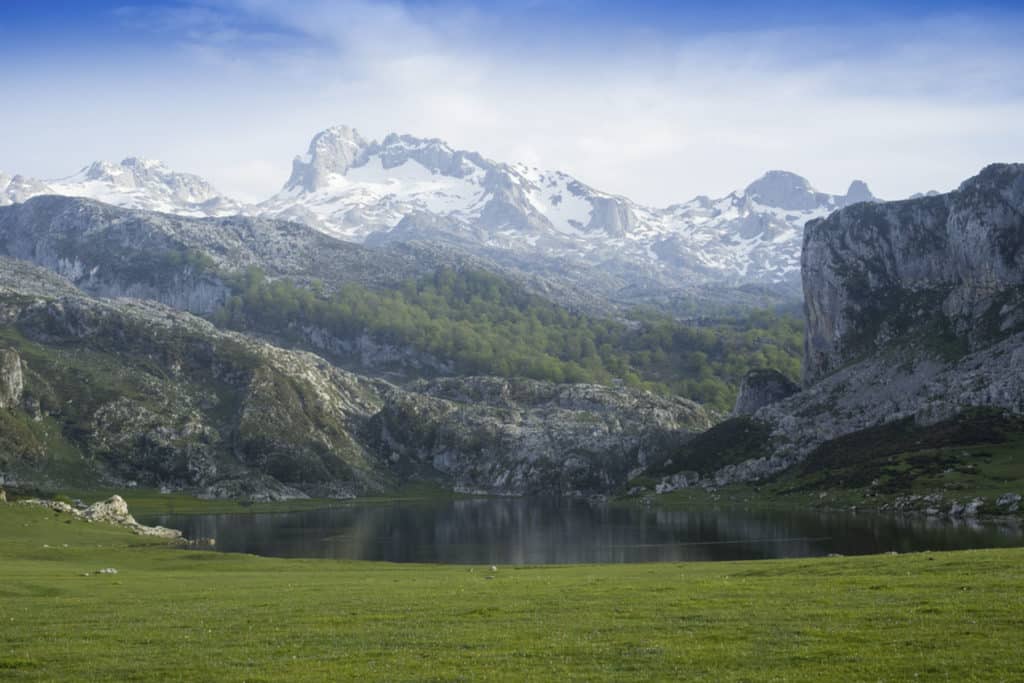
(180, 615)
(978, 454)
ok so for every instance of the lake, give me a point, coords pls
(513, 531)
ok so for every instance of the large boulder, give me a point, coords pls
(113, 510)
(760, 388)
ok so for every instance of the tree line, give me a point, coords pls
(485, 324)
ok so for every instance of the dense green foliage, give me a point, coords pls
(484, 324)
(190, 615)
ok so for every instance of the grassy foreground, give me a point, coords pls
(171, 614)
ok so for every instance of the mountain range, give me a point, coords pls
(261, 358)
(738, 249)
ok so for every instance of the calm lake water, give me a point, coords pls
(550, 531)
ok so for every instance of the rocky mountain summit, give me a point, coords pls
(404, 188)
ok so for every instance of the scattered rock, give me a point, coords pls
(1008, 502)
(674, 482)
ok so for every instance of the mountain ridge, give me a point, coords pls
(404, 189)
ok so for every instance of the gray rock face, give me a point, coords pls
(332, 151)
(522, 437)
(858, 192)
(915, 311)
(761, 388)
(947, 269)
(11, 380)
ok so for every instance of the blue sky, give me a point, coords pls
(656, 100)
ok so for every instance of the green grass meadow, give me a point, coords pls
(174, 614)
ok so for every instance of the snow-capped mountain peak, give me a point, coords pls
(331, 152)
(405, 188)
(132, 183)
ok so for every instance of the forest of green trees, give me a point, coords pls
(485, 324)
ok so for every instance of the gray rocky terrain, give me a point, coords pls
(127, 391)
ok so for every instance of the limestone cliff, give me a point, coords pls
(914, 312)
(944, 273)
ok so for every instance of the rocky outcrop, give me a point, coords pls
(915, 309)
(760, 388)
(502, 436)
(943, 273)
(11, 380)
(152, 395)
(915, 313)
(113, 510)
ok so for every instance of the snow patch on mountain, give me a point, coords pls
(403, 189)
(382, 191)
(133, 183)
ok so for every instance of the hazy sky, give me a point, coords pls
(659, 101)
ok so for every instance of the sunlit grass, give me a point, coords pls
(171, 614)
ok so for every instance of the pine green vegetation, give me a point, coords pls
(485, 324)
(171, 614)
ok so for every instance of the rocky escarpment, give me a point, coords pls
(944, 273)
(760, 388)
(915, 309)
(521, 436)
(915, 313)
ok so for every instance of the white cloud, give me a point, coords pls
(246, 83)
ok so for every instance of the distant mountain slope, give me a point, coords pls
(742, 250)
(405, 188)
(133, 183)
